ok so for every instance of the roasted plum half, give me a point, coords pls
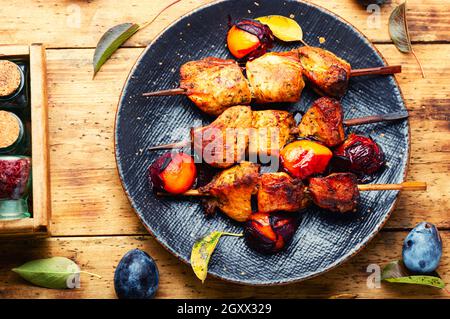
(304, 158)
(359, 154)
(270, 233)
(174, 173)
(249, 39)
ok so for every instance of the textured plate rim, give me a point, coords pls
(332, 266)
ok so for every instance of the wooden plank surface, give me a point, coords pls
(81, 23)
(86, 190)
(101, 254)
(93, 222)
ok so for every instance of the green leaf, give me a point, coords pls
(396, 272)
(202, 251)
(55, 272)
(398, 31)
(111, 41)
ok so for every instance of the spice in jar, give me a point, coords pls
(11, 132)
(14, 87)
(10, 78)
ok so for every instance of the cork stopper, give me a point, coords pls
(10, 78)
(9, 129)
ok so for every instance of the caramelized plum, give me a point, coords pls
(361, 154)
(174, 173)
(305, 158)
(249, 38)
(270, 233)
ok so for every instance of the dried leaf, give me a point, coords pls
(285, 29)
(396, 272)
(202, 251)
(398, 30)
(111, 41)
(55, 272)
(116, 36)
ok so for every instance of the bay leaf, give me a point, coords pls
(283, 28)
(118, 35)
(111, 41)
(203, 250)
(396, 272)
(398, 31)
(54, 272)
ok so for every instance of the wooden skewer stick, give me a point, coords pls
(170, 146)
(191, 192)
(170, 92)
(406, 186)
(381, 70)
(377, 118)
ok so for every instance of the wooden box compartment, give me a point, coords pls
(38, 223)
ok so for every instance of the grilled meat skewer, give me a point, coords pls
(232, 189)
(266, 132)
(329, 75)
(215, 84)
(276, 77)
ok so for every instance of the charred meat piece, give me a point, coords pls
(327, 73)
(280, 192)
(215, 84)
(232, 189)
(276, 77)
(271, 131)
(224, 142)
(324, 122)
(337, 192)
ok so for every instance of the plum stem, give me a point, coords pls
(146, 24)
(90, 273)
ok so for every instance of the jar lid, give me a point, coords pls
(11, 129)
(10, 78)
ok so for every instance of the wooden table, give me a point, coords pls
(93, 222)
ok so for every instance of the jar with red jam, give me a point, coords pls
(15, 184)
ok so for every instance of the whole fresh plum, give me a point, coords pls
(136, 276)
(422, 248)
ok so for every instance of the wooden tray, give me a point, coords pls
(38, 224)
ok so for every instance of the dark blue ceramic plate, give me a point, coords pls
(324, 240)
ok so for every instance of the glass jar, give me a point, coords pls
(14, 90)
(13, 135)
(15, 185)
